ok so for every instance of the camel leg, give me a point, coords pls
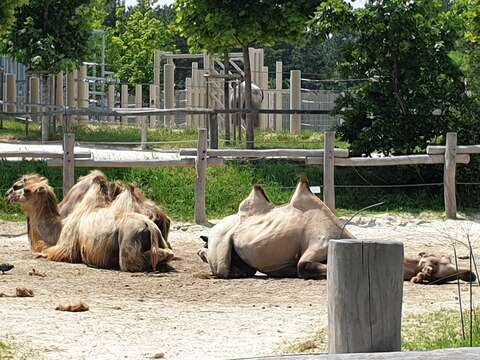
(310, 265)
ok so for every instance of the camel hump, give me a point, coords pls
(256, 202)
(303, 198)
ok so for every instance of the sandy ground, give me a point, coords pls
(184, 316)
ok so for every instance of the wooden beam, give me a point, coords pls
(44, 154)
(201, 178)
(150, 163)
(461, 149)
(390, 160)
(266, 153)
(329, 170)
(449, 172)
(365, 289)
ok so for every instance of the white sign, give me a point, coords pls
(315, 189)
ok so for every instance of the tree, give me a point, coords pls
(49, 35)
(133, 40)
(412, 90)
(7, 9)
(218, 26)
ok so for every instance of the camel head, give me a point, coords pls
(441, 269)
(24, 181)
(34, 194)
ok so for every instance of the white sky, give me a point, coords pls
(356, 3)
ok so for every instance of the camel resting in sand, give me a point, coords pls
(292, 240)
(142, 204)
(97, 232)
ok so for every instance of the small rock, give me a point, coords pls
(81, 306)
(159, 355)
(24, 292)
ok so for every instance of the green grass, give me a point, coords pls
(6, 351)
(438, 330)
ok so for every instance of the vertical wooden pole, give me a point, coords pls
(141, 121)
(329, 170)
(59, 98)
(157, 56)
(365, 289)
(263, 118)
(195, 93)
(11, 97)
(449, 174)
(111, 100)
(72, 92)
(169, 93)
(226, 98)
(82, 92)
(201, 177)
(124, 101)
(188, 89)
(278, 94)
(153, 92)
(213, 127)
(35, 95)
(68, 162)
(45, 123)
(295, 101)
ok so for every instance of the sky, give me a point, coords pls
(356, 3)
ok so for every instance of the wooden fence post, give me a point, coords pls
(11, 92)
(68, 162)
(201, 179)
(365, 289)
(213, 127)
(153, 91)
(34, 97)
(141, 122)
(124, 101)
(82, 92)
(169, 93)
(111, 100)
(72, 92)
(449, 171)
(295, 101)
(278, 95)
(59, 99)
(329, 170)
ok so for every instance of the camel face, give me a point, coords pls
(25, 181)
(441, 269)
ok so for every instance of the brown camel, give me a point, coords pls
(97, 232)
(142, 204)
(292, 240)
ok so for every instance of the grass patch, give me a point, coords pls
(6, 351)
(439, 330)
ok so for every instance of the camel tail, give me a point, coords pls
(160, 250)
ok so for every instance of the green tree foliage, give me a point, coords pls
(49, 35)
(7, 9)
(133, 40)
(218, 26)
(415, 91)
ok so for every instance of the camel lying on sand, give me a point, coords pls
(292, 240)
(142, 204)
(98, 232)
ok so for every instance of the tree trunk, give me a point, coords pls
(226, 101)
(248, 97)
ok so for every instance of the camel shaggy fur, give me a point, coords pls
(97, 232)
(292, 240)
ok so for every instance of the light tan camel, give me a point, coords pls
(142, 204)
(97, 232)
(292, 240)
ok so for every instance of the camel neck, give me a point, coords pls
(45, 223)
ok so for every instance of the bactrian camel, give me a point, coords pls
(292, 240)
(98, 232)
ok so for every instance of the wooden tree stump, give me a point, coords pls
(365, 288)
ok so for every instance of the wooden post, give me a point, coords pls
(44, 101)
(157, 57)
(34, 96)
(278, 95)
(226, 98)
(195, 93)
(213, 127)
(263, 118)
(201, 179)
(111, 100)
(141, 122)
(365, 289)
(82, 91)
(449, 172)
(189, 97)
(59, 98)
(295, 101)
(169, 93)
(329, 170)
(124, 101)
(68, 162)
(72, 92)
(153, 93)
(11, 97)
